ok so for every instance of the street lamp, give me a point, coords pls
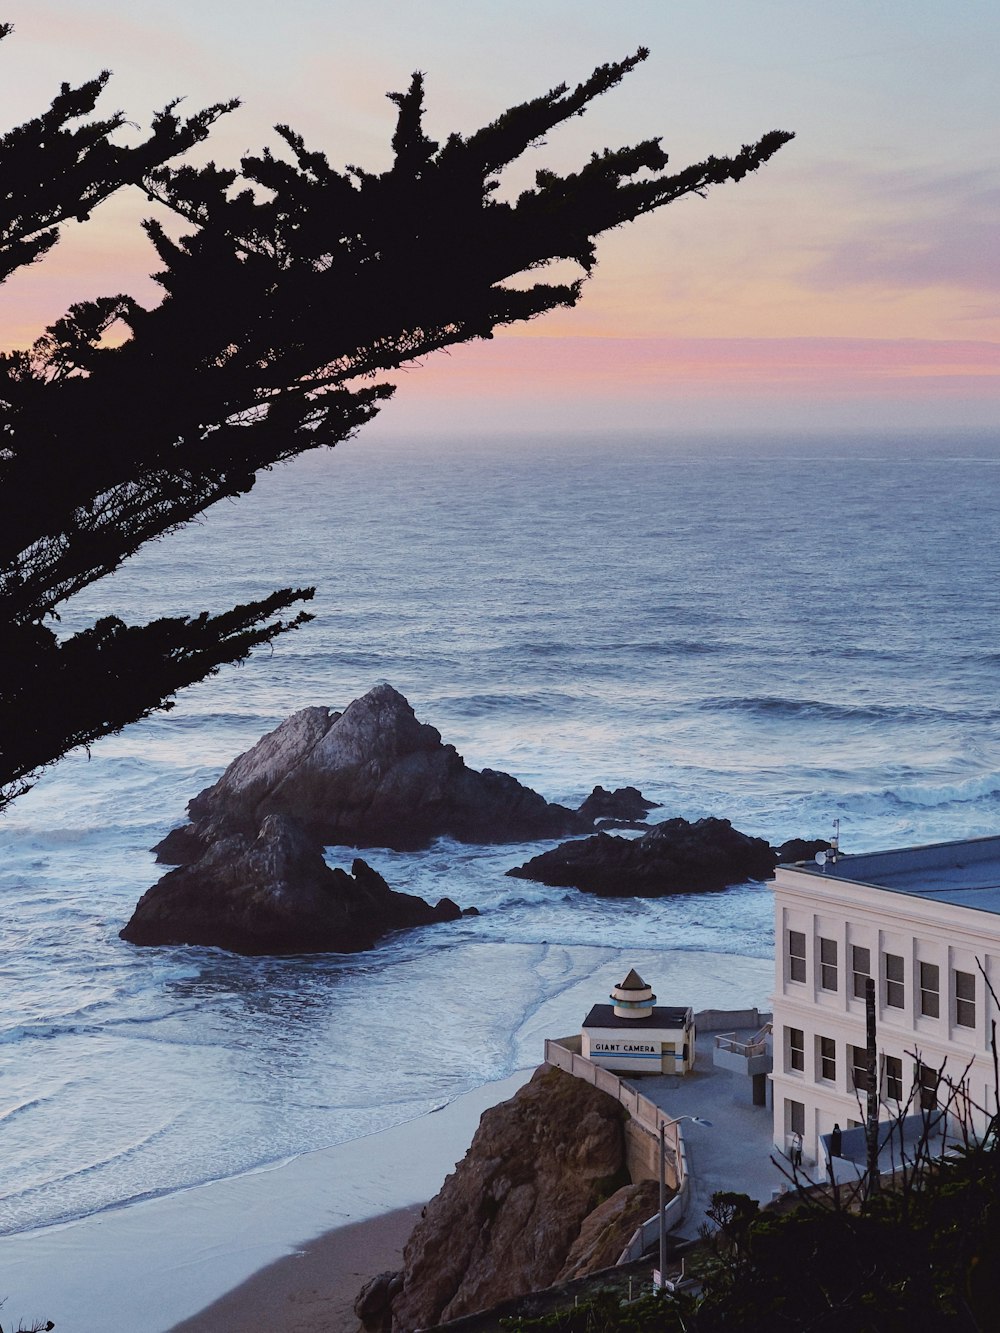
(695, 1120)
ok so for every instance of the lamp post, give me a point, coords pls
(695, 1120)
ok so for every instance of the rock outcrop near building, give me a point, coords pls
(273, 893)
(510, 1216)
(673, 857)
(372, 776)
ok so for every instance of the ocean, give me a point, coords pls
(781, 631)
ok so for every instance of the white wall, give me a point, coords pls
(884, 922)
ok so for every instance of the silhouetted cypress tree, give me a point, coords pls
(294, 283)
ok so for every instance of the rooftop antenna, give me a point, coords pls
(828, 855)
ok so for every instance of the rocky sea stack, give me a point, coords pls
(274, 894)
(251, 874)
(673, 857)
(372, 776)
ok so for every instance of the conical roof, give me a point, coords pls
(632, 982)
(633, 998)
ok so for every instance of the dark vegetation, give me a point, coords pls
(926, 1259)
(292, 287)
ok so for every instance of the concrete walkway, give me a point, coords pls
(735, 1153)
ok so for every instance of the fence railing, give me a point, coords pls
(564, 1053)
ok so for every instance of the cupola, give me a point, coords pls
(632, 997)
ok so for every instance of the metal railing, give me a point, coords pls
(753, 1046)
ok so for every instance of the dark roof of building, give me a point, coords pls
(663, 1016)
(965, 873)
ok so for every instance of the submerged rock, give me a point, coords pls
(273, 893)
(624, 806)
(506, 1220)
(372, 776)
(673, 857)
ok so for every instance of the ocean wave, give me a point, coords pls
(21, 1108)
(9, 1036)
(794, 710)
(480, 705)
(664, 646)
(849, 652)
(193, 719)
(90, 1167)
(984, 786)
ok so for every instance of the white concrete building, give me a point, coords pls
(635, 1035)
(923, 922)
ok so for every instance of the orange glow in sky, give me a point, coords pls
(855, 273)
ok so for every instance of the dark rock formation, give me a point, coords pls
(623, 806)
(673, 857)
(273, 893)
(372, 776)
(506, 1219)
(374, 1302)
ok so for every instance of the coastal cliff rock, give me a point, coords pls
(506, 1220)
(273, 893)
(608, 1229)
(673, 857)
(372, 776)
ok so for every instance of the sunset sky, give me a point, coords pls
(854, 281)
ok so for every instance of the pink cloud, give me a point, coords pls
(549, 368)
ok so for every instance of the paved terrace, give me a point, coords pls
(735, 1153)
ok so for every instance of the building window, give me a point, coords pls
(861, 964)
(930, 990)
(796, 955)
(828, 964)
(928, 1079)
(859, 1068)
(965, 999)
(796, 1048)
(893, 1078)
(795, 1114)
(894, 980)
(828, 1059)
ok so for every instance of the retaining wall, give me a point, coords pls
(725, 1020)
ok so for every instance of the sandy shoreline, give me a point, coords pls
(313, 1290)
(150, 1266)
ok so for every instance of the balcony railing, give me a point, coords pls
(743, 1055)
(747, 1047)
